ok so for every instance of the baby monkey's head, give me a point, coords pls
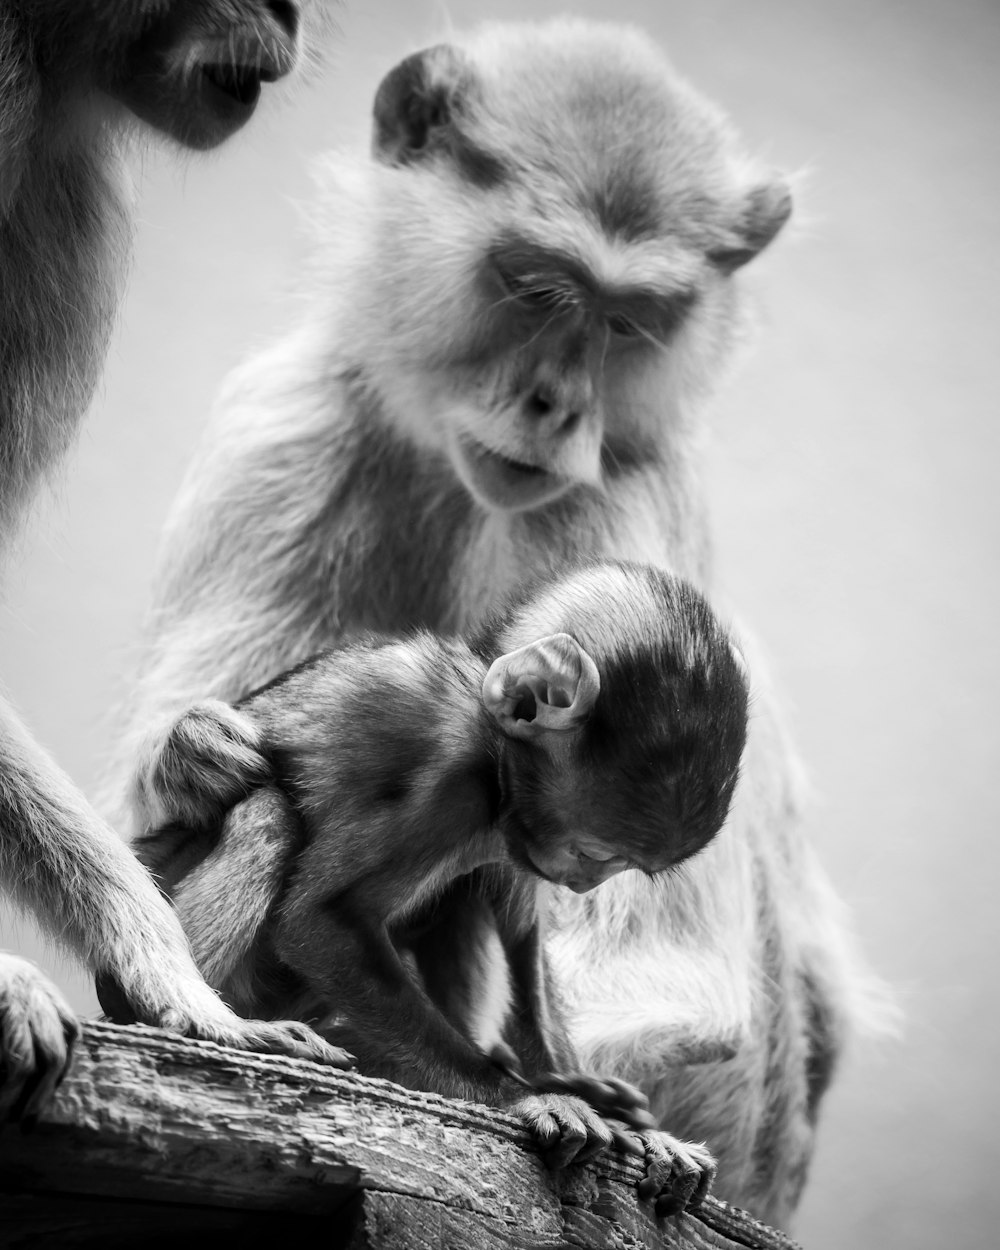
(623, 707)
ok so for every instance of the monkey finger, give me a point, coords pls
(52, 1064)
(37, 1032)
(599, 1093)
(291, 1037)
(628, 1095)
(567, 1129)
(579, 1117)
(113, 1000)
(507, 1061)
(637, 1118)
(678, 1174)
(623, 1140)
(615, 1099)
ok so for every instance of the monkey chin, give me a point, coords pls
(503, 484)
(200, 95)
(579, 885)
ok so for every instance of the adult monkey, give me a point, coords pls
(74, 76)
(524, 295)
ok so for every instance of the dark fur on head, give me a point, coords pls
(669, 725)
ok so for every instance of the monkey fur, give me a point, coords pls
(520, 300)
(74, 76)
(594, 725)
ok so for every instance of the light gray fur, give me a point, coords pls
(67, 70)
(328, 497)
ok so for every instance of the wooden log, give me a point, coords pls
(153, 1139)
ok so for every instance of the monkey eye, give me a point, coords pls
(595, 859)
(531, 290)
(624, 327)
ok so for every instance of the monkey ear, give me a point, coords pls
(549, 686)
(415, 104)
(762, 213)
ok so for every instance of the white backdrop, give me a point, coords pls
(854, 477)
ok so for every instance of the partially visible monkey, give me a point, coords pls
(523, 297)
(594, 725)
(74, 75)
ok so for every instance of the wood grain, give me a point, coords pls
(153, 1139)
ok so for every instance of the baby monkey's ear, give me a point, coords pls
(549, 686)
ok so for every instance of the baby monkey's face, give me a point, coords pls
(579, 863)
(574, 835)
(578, 823)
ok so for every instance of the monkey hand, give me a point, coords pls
(279, 1037)
(679, 1173)
(208, 759)
(568, 1129)
(615, 1099)
(213, 1021)
(37, 1032)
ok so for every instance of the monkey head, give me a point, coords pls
(553, 224)
(191, 69)
(623, 732)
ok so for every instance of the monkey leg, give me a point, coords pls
(37, 1033)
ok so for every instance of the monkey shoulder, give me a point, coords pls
(385, 725)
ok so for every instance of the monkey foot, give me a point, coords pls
(37, 1033)
(568, 1129)
(615, 1099)
(679, 1174)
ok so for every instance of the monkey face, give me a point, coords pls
(530, 419)
(626, 735)
(557, 229)
(536, 428)
(194, 70)
(578, 861)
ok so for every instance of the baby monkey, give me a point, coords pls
(375, 802)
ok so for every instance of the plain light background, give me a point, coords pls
(853, 468)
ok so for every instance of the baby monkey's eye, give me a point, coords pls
(602, 857)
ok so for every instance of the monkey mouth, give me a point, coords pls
(500, 481)
(522, 855)
(240, 83)
(578, 885)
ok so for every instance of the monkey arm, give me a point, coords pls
(65, 865)
(678, 1173)
(225, 901)
(342, 948)
(536, 1028)
(340, 945)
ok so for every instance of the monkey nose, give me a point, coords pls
(544, 404)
